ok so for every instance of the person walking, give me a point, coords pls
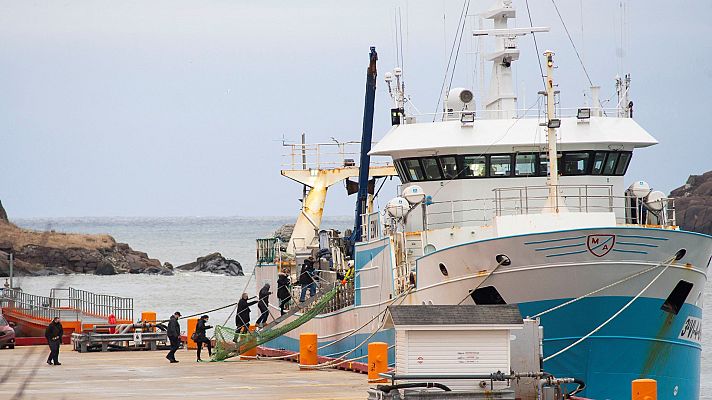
(307, 279)
(54, 333)
(263, 305)
(242, 317)
(201, 337)
(284, 293)
(173, 334)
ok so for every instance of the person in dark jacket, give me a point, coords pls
(263, 305)
(173, 334)
(201, 337)
(284, 293)
(54, 333)
(307, 278)
(242, 318)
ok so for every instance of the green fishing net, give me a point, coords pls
(230, 343)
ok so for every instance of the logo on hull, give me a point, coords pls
(600, 245)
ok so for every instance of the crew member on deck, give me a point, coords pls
(283, 290)
(54, 333)
(201, 337)
(173, 334)
(242, 318)
(263, 305)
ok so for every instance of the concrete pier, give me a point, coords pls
(149, 375)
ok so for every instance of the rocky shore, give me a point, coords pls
(693, 204)
(214, 263)
(52, 253)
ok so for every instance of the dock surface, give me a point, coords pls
(148, 374)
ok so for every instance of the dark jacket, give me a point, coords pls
(54, 331)
(200, 330)
(243, 311)
(264, 298)
(173, 327)
(307, 274)
(283, 287)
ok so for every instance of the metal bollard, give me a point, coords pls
(644, 389)
(192, 323)
(251, 353)
(308, 349)
(149, 317)
(377, 361)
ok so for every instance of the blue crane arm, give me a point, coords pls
(366, 138)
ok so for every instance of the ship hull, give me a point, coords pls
(547, 270)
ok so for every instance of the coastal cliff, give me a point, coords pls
(50, 253)
(693, 204)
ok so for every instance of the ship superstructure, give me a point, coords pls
(506, 206)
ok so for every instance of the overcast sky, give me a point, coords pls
(176, 108)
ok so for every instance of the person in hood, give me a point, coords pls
(54, 333)
(263, 305)
(201, 336)
(173, 334)
(242, 318)
(284, 293)
(307, 278)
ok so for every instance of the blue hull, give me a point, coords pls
(642, 342)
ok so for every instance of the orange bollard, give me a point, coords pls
(377, 361)
(192, 323)
(644, 389)
(251, 353)
(149, 317)
(308, 349)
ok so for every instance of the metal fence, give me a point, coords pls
(40, 307)
(100, 305)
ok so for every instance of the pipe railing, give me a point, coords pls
(40, 307)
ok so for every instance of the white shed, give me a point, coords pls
(450, 339)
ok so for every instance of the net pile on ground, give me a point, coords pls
(229, 343)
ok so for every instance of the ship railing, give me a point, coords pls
(323, 156)
(39, 307)
(536, 200)
(480, 114)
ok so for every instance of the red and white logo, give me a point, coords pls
(600, 245)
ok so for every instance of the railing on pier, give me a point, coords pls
(535, 200)
(99, 305)
(38, 307)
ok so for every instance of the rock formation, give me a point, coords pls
(3, 214)
(693, 204)
(51, 253)
(214, 263)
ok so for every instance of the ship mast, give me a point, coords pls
(554, 205)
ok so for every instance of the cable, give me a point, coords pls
(452, 49)
(536, 46)
(457, 52)
(600, 290)
(572, 42)
(599, 327)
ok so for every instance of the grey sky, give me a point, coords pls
(163, 108)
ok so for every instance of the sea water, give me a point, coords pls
(182, 240)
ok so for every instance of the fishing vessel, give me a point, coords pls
(499, 205)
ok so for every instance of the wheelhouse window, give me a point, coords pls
(413, 170)
(501, 165)
(525, 165)
(576, 163)
(623, 161)
(598, 159)
(474, 166)
(449, 164)
(570, 163)
(432, 169)
(610, 165)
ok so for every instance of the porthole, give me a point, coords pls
(443, 269)
(680, 253)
